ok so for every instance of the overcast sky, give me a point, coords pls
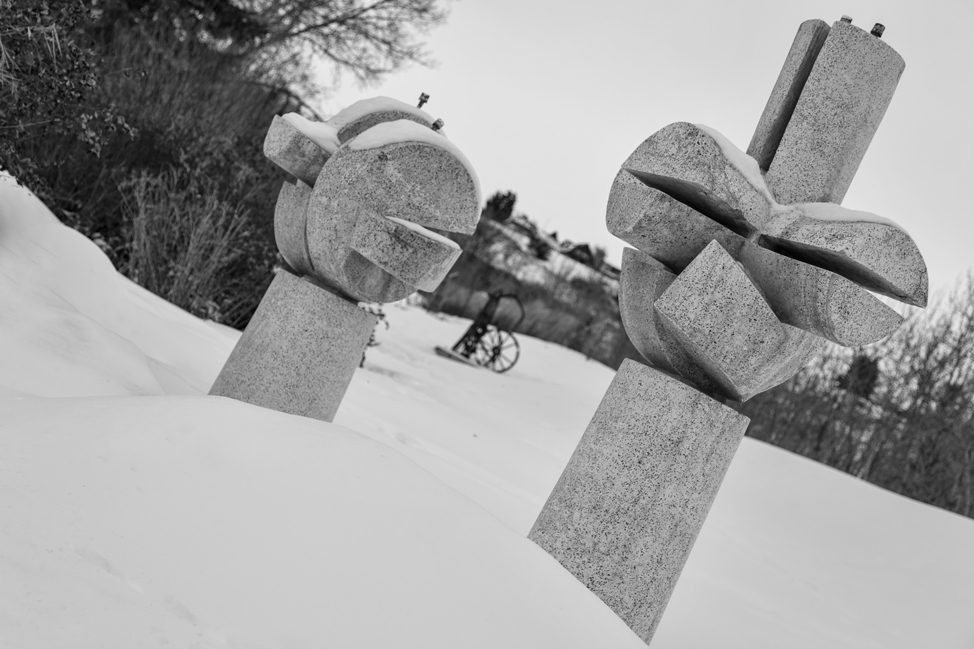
(548, 98)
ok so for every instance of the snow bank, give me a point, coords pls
(156, 521)
(194, 521)
(793, 554)
(70, 325)
(149, 521)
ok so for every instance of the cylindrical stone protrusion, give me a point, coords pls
(838, 112)
(629, 505)
(787, 89)
(299, 352)
(290, 226)
(366, 113)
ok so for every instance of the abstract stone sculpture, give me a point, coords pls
(745, 267)
(353, 227)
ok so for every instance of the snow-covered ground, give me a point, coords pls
(137, 512)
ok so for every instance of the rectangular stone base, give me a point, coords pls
(629, 505)
(299, 352)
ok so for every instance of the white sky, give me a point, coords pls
(548, 98)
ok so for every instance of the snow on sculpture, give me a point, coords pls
(357, 225)
(744, 265)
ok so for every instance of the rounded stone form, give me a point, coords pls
(289, 226)
(366, 113)
(875, 255)
(689, 155)
(658, 224)
(403, 252)
(817, 300)
(416, 182)
(366, 122)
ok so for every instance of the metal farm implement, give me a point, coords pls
(486, 343)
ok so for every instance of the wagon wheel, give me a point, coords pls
(497, 350)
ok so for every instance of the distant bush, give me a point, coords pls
(500, 206)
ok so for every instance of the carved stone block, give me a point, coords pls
(629, 505)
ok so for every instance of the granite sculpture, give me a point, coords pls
(744, 265)
(361, 222)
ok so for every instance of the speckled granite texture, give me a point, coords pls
(299, 352)
(878, 256)
(414, 181)
(417, 260)
(817, 300)
(293, 152)
(643, 281)
(686, 153)
(840, 108)
(724, 323)
(626, 511)
(659, 225)
(784, 96)
(290, 222)
(722, 293)
(367, 121)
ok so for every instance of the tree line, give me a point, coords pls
(899, 413)
(140, 122)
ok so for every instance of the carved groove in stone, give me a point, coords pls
(700, 198)
(879, 257)
(787, 89)
(817, 300)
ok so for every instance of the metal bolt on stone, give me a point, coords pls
(878, 30)
(353, 227)
(847, 19)
(423, 98)
(736, 281)
(438, 124)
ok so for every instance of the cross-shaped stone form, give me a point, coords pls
(359, 223)
(745, 265)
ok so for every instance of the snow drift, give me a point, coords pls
(138, 512)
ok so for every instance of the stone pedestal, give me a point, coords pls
(629, 505)
(299, 352)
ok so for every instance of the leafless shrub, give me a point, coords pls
(915, 433)
(184, 242)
